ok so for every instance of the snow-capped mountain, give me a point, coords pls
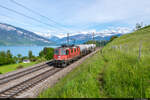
(11, 35)
(82, 38)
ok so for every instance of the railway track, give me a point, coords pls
(14, 90)
(20, 87)
(8, 78)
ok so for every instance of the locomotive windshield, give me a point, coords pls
(62, 51)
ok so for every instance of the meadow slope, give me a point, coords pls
(128, 64)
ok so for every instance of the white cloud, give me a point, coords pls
(102, 11)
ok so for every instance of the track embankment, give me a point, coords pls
(52, 80)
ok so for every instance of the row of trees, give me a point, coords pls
(7, 58)
(98, 43)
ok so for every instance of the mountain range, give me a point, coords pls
(81, 38)
(15, 36)
(11, 35)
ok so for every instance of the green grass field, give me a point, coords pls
(13, 67)
(124, 75)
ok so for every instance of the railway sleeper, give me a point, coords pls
(11, 93)
(3, 96)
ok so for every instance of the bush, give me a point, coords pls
(33, 59)
(42, 59)
(23, 58)
(113, 37)
(19, 67)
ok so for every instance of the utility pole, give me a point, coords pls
(74, 41)
(88, 37)
(67, 38)
(93, 38)
(140, 47)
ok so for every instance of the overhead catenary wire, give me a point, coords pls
(39, 14)
(29, 17)
(25, 24)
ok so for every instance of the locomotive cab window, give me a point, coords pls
(56, 52)
(72, 50)
(67, 52)
(75, 49)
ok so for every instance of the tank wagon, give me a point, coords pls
(65, 55)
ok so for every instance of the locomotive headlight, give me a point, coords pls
(58, 56)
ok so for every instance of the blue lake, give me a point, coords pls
(23, 50)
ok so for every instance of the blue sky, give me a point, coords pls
(77, 15)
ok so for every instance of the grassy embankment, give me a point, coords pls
(126, 75)
(13, 67)
(123, 74)
(81, 82)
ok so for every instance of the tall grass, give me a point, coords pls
(12, 67)
(126, 75)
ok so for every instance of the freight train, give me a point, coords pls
(67, 54)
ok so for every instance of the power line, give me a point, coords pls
(26, 24)
(26, 16)
(23, 23)
(13, 1)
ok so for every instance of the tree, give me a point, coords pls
(30, 55)
(3, 58)
(113, 37)
(47, 53)
(19, 58)
(138, 26)
(6, 58)
(10, 59)
(19, 55)
(15, 59)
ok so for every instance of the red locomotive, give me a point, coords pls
(65, 55)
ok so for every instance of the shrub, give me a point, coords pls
(33, 59)
(42, 59)
(113, 37)
(19, 67)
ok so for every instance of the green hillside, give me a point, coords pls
(115, 72)
(126, 73)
